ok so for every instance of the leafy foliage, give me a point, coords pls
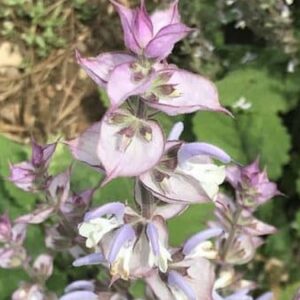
(13, 199)
(247, 137)
(256, 131)
(263, 130)
(10, 281)
(190, 222)
(289, 291)
(264, 92)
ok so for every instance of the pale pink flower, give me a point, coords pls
(151, 36)
(187, 173)
(253, 184)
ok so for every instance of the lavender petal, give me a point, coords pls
(177, 280)
(124, 234)
(91, 259)
(200, 237)
(113, 208)
(189, 150)
(153, 237)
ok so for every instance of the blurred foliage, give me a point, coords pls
(13, 199)
(247, 137)
(17, 202)
(41, 22)
(250, 49)
(44, 23)
(255, 98)
(10, 281)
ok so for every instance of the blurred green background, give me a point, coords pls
(250, 48)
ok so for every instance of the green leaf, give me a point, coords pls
(193, 220)
(11, 152)
(279, 245)
(58, 281)
(35, 243)
(13, 199)
(61, 159)
(84, 177)
(10, 281)
(266, 93)
(120, 189)
(137, 289)
(289, 291)
(246, 137)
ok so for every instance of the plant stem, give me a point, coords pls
(231, 236)
(144, 198)
(141, 109)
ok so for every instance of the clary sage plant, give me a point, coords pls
(130, 242)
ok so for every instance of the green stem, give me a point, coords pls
(145, 199)
(231, 236)
(141, 109)
(142, 195)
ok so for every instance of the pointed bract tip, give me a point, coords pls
(227, 112)
(176, 131)
(78, 56)
(117, 4)
(107, 179)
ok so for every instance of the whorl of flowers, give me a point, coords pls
(131, 241)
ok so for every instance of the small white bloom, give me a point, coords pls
(95, 229)
(205, 249)
(285, 12)
(121, 265)
(161, 260)
(241, 24)
(229, 2)
(210, 176)
(242, 104)
(292, 64)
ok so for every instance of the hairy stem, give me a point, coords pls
(144, 199)
(142, 196)
(141, 109)
(231, 236)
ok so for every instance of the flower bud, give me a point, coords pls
(12, 257)
(29, 291)
(43, 266)
(41, 155)
(252, 183)
(5, 228)
(23, 176)
(32, 175)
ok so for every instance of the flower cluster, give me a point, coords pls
(39, 272)
(32, 175)
(131, 241)
(12, 252)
